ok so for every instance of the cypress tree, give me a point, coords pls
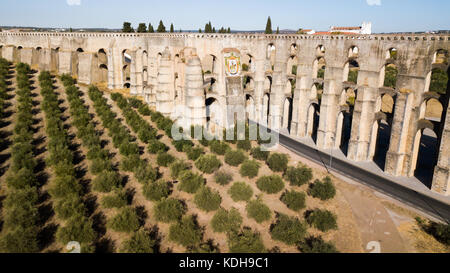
(150, 28)
(278, 30)
(269, 26)
(142, 28)
(171, 28)
(161, 27)
(127, 27)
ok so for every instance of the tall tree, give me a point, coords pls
(142, 28)
(214, 30)
(171, 28)
(127, 27)
(269, 26)
(150, 28)
(199, 30)
(161, 27)
(278, 30)
(229, 30)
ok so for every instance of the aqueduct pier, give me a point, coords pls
(334, 89)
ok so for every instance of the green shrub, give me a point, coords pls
(145, 173)
(208, 163)
(218, 147)
(139, 242)
(156, 146)
(316, 245)
(323, 190)
(259, 211)
(155, 191)
(294, 200)
(63, 186)
(193, 153)
(69, 206)
(288, 230)
(19, 240)
(99, 165)
(235, 157)
(180, 144)
(323, 220)
(207, 199)
(223, 178)
(240, 191)
(249, 168)
(439, 231)
(225, 221)
(126, 220)
(169, 210)
(177, 167)
(106, 181)
(245, 145)
(78, 228)
(190, 182)
(258, 154)
(298, 176)
(270, 184)
(245, 241)
(164, 159)
(128, 148)
(277, 162)
(186, 232)
(118, 199)
(129, 163)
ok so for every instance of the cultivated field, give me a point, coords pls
(99, 168)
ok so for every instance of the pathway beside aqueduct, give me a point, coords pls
(301, 84)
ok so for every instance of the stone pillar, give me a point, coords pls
(303, 87)
(85, 63)
(26, 55)
(139, 74)
(195, 96)
(45, 59)
(117, 68)
(441, 178)
(133, 76)
(363, 116)
(399, 132)
(111, 67)
(164, 89)
(8, 53)
(258, 66)
(278, 84)
(326, 132)
(65, 62)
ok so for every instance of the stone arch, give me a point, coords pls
(247, 63)
(388, 76)
(319, 66)
(102, 62)
(248, 83)
(353, 52)
(145, 60)
(351, 70)
(126, 68)
(424, 155)
(440, 57)
(292, 64)
(209, 64)
(287, 114)
(268, 84)
(270, 56)
(344, 119)
(249, 108)
(293, 49)
(313, 120)
(392, 53)
(320, 50)
(266, 108)
(213, 115)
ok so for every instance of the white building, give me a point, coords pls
(365, 28)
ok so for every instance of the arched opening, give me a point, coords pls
(438, 81)
(287, 114)
(145, 60)
(270, 55)
(126, 60)
(353, 52)
(388, 76)
(319, 67)
(266, 108)
(344, 119)
(126, 85)
(79, 50)
(249, 108)
(424, 156)
(313, 121)
(213, 117)
(381, 130)
(248, 83)
(351, 69)
(267, 84)
(289, 88)
(292, 65)
(293, 49)
(433, 110)
(102, 60)
(391, 53)
(320, 51)
(209, 63)
(145, 76)
(247, 62)
(212, 85)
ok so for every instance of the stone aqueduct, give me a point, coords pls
(279, 82)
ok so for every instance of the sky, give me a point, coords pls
(385, 15)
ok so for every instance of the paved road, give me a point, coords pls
(418, 200)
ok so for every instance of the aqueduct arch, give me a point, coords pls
(405, 70)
